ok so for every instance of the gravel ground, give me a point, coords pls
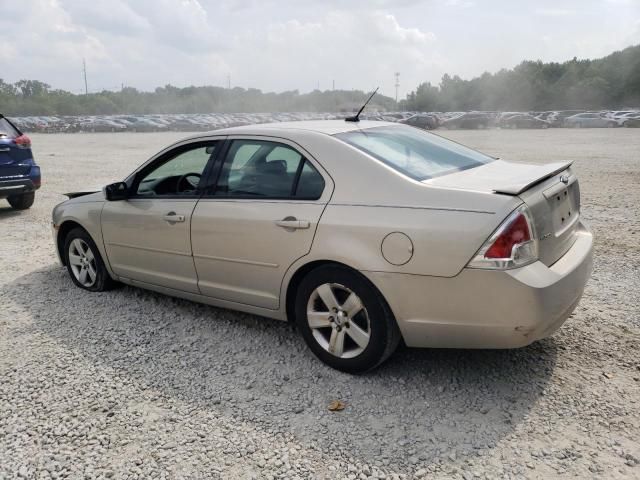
(134, 384)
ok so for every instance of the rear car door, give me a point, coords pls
(147, 237)
(259, 218)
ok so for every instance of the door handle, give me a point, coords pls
(171, 217)
(293, 223)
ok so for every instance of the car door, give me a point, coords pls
(259, 218)
(147, 237)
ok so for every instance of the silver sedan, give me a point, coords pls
(364, 234)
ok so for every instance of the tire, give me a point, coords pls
(371, 316)
(22, 202)
(78, 243)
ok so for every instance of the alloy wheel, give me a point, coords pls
(338, 320)
(82, 262)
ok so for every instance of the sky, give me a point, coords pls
(278, 45)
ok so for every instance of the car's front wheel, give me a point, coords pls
(84, 263)
(344, 319)
(21, 202)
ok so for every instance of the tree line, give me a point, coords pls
(33, 97)
(609, 82)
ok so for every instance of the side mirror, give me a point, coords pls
(116, 191)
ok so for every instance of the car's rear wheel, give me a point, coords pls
(344, 319)
(22, 202)
(84, 263)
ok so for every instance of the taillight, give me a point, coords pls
(22, 141)
(512, 245)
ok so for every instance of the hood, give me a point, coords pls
(499, 176)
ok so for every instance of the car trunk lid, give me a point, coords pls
(551, 191)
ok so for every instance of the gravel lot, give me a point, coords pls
(133, 384)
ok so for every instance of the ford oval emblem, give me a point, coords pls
(565, 179)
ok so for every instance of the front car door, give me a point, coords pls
(257, 220)
(147, 237)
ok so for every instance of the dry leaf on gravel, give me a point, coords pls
(336, 406)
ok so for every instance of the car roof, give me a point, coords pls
(327, 127)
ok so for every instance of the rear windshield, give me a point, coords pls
(7, 130)
(414, 152)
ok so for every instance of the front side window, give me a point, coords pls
(263, 169)
(179, 175)
(413, 152)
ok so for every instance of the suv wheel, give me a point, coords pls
(344, 319)
(84, 262)
(21, 202)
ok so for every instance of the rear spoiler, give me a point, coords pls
(80, 194)
(517, 189)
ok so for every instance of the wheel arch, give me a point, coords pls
(63, 231)
(303, 270)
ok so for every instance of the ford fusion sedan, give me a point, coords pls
(364, 234)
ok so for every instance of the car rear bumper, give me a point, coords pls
(488, 308)
(18, 184)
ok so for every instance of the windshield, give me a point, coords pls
(414, 152)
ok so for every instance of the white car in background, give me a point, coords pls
(624, 120)
(589, 120)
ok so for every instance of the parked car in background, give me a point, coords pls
(458, 249)
(556, 118)
(522, 120)
(617, 114)
(19, 174)
(632, 122)
(469, 121)
(422, 120)
(589, 120)
(627, 120)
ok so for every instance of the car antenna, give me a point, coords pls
(356, 117)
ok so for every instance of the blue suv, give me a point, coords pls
(19, 174)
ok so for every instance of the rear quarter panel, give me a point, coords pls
(443, 240)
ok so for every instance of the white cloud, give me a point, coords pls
(355, 50)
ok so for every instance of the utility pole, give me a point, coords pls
(333, 85)
(84, 72)
(397, 75)
(229, 81)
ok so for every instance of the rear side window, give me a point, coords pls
(310, 183)
(263, 169)
(7, 130)
(413, 152)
